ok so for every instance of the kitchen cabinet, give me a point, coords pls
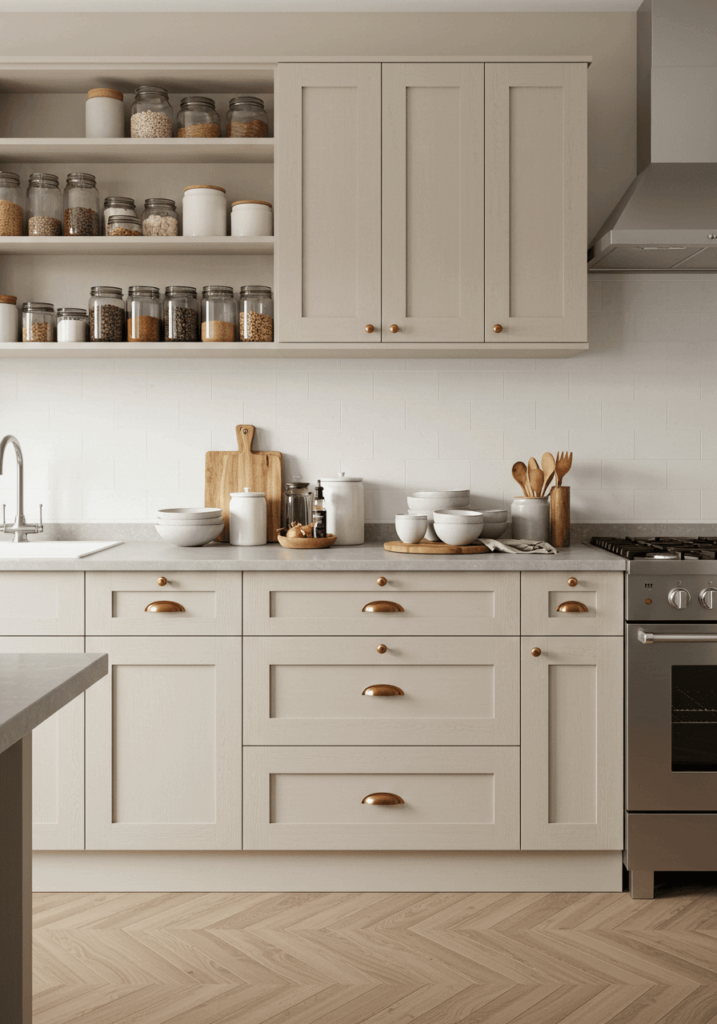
(591, 603)
(42, 603)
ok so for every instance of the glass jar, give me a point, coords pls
(181, 313)
(151, 116)
(104, 114)
(38, 321)
(72, 324)
(119, 225)
(144, 311)
(82, 205)
(160, 217)
(297, 505)
(118, 206)
(8, 319)
(106, 311)
(219, 316)
(11, 204)
(204, 210)
(246, 118)
(198, 119)
(44, 205)
(256, 313)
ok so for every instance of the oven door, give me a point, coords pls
(671, 728)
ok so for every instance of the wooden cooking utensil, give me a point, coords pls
(562, 466)
(226, 472)
(535, 476)
(520, 473)
(548, 464)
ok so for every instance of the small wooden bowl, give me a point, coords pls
(305, 543)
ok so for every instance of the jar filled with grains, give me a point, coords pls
(204, 210)
(44, 205)
(82, 205)
(151, 116)
(72, 324)
(181, 313)
(160, 217)
(256, 313)
(104, 114)
(11, 204)
(106, 309)
(119, 225)
(118, 206)
(247, 118)
(38, 321)
(218, 313)
(198, 119)
(144, 310)
(8, 319)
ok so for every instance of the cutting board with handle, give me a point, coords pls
(226, 472)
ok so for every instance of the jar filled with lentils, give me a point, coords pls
(160, 217)
(11, 204)
(219, 315)
(122, 226)
(118, 206)
(38, 321)
(44, 205)
(247, 118)
(181, 313)
(106, 310)
(151, 116)
(144, 311)
(82, 205)
(198, 119)
(256, 313)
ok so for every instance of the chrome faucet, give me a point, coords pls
(20, 528)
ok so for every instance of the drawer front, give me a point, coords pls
(456, 691)
(117, 604)
(42, 604)
(600, 592)
(336, 603)
(303, 798)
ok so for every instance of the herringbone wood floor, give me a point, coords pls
(318, 958)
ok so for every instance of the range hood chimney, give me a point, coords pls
(667, 219)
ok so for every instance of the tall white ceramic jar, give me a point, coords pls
(344, 498)
(204, 210)
(247, 518)
(531, 519)
(104, 114)
(9, 321)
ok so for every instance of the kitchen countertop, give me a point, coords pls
(370, 557)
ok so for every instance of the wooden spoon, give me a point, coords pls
(562, 466)
(536, 477)
(548, 464)
(520, 473)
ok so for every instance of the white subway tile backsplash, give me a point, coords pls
(437, 475)
(438, 415)
(406, 444)
(408, 386)
(575, 415)
(635, 415)
(695, 474)
(673, 506)
(476, 387)
(634, 292)
(477, 444)
(667, 444)
(668, 383)
(114, 444)
(609, 443)
(373, 416)
(307, 415)
(605, 506)
(337, 444)
(492, 415)
(356, 386)
(541, 386)
(639, 474)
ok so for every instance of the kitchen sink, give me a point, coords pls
(55, 548)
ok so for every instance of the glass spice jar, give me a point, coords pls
(181, 313)
(256, 313)
(11, 204)
(44, 205)
(38, 321)
(143, 313)
(106, 311)
(82, 205)
(118, 206)
(72, 324)
(160, 217)
(219, 315)
(151, 116)
(124, 226)
(247, 119)
(198, 119)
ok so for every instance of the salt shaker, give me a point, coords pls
(247, 518)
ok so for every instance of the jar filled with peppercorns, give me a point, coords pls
(106, 309)
(181, 313)
(82, 205)
(247, 118)
(143, 313)
(11, 204)
(44, 205)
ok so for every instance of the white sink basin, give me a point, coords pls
(56, 548)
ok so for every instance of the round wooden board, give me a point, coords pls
(434, 547)
(305, 543)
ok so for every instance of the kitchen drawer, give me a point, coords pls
(304, 798)
(457, 691)
(334, 603)
(600, 592)
(42, 603)
(117, 604)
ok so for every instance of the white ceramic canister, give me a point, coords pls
(104, 114)
(204, 210)
(531, 519)
(247, 518)
(344, 508)
(252, 217)
(9, 321)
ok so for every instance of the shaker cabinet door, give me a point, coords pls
(536, 202)
(433, 202)
(328, 208)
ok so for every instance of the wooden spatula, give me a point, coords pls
(520, 473)
(535, 476)
(548, 464)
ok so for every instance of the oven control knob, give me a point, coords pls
(678, 597)
(707, 598)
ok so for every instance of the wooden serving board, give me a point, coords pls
(226, 472)
(434, 547)
(305, 543)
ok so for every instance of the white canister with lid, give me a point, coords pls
(247, 518)
(252, 217)
(204, 210)
(344, 508)
(104, 114)
(9, 323)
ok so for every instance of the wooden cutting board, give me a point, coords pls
(226, 472)
(434, 547)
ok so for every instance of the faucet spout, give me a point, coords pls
(19, 527)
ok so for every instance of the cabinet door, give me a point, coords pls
(433, 202)
(164, 745)
(42, 603)
(536, 202)
(328, 207)
(571, 743)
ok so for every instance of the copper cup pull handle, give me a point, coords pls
(382, 799)
(383, 690)
(165, 606)
(572, 606)
(382, 606)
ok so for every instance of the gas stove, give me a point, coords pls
(660, 554)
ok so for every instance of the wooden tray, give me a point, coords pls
(435, 547)
(305, 543)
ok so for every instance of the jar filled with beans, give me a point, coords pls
(256, 313)
(38, 321)
(247, 118)
(160, 217)
(144, 311)
(219, 315)
(11, 204)
(122, 226)
(181, 313)
(151, 116)
(44, 205)
(106, 309)
(118, 206)
(198, 119)
(82, 205)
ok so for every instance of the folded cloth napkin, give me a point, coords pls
(520, 547)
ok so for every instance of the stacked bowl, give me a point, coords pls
(495, 523)
(425, 503)
(189, 527)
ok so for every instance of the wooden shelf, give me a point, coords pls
(138, 151)
(224, 245)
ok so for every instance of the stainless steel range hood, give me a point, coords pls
(667, 219)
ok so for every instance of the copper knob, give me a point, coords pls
(382, 581)
(393, 328)
(536, 652)
(497, 328)
(162, 581)
(382, 648)
(572, 582)
(369, 328)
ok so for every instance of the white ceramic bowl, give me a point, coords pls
(188, 513)
(431, 504)
(494, 530)
(191, 522)
(411, 529)
(455, 533)
(188, 535)
(495, 515)
(442, 494)
(461, 516)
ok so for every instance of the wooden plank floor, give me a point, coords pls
(373, 958)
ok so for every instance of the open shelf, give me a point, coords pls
(221, 245)
(138, 151)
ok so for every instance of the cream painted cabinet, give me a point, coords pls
(42, 604)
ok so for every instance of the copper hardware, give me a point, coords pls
(536, 652)
(382, 606)
(394, 330)
(572, 606)
(369, 328)
(165, 606)
(648, 600)
(382, 581)
(572, 582)
(382, 648)
(162, 581)
(382, 799)
(383, 690)
(497, 328)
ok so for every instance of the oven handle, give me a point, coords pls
(676, 638)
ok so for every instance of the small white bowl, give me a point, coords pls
(411, 529)
(431, 504)
(188, 513)
(191, 522)
(462, 516)
(455, 533)
(442, 494)
(188, 535)
(494, 530)
(495, 515)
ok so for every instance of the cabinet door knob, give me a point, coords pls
(572, 606)
(383, 690)
(497, 328)
(381, 649)
(382, 606)
(369, 328)
(393, 328)
(382, 581)
(536, 652)
(572, 582)
(162, 581)
(165, 606)
(382, 799)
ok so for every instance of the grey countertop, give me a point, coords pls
(34, 686)
(369, 557)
